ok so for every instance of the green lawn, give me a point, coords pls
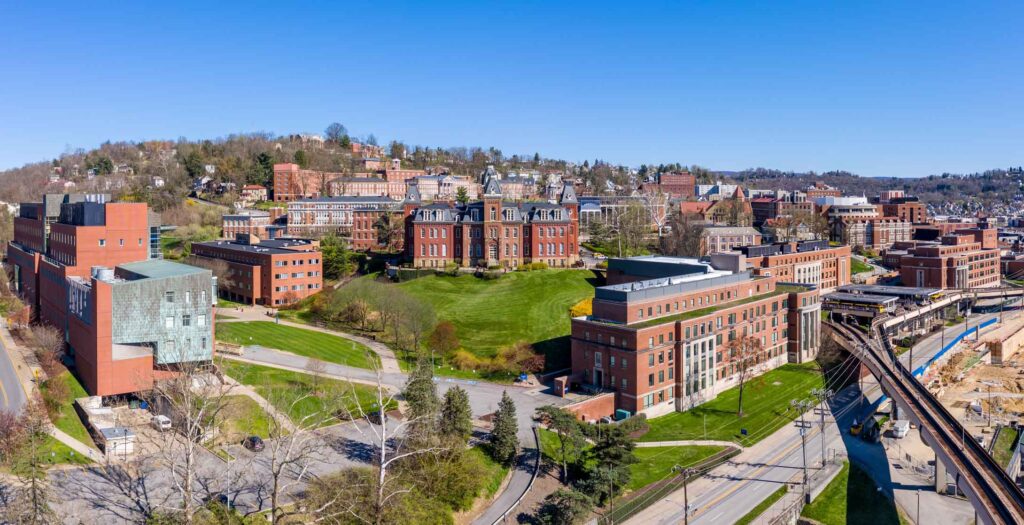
(693, 314)
(857, 266)
(241, 417)
(766, 409)
(763, 506)
(67, 420)
(852, 497)
(1002, 451)
(520, 306)
(655, 463)
(291, 392)
(298, 341)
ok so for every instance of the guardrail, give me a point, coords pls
(536, 470)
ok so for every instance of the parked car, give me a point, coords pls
(900, 428)
(161, 423)
(253, 443)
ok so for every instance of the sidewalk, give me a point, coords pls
(690, 443)
(388, 361)
(267, 407)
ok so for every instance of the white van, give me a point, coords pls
(161, 423)
(900, 428)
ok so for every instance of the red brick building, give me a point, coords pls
(676, 184)
(967, 258)
(820, 189)
(492, 232)
(272, 272)
(661, 338)
(806, 262)
(292, 182)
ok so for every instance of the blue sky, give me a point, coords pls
(878, 88)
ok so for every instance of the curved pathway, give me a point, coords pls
(388, 361)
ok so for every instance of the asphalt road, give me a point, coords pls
(12, 395)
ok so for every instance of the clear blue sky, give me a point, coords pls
(878, 88)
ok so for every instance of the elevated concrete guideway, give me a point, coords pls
(995, 496)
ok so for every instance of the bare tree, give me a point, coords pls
(687, 236)
(24, 438)
(292, 447)
(316, 370)
(193, 397)
(391, 444)
(658, 209)
(745, 352)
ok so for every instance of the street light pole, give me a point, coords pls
(685, 473)
(803, 405)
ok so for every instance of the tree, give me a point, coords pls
(421, 395)
(612, 455)
(570, 436)
(565, 507)
(504, 441)
(456, 416)
(194, 399)
(462, 195)
(686, 237)
(658, 209)
(336, 257)
(745, 352)
(23, 451)
(390, 230)
(631, 228)
(443, 339)
(316, 370)
(397, 149)
(262, 170)
(335, 132)
(417, 319)
(371, 140)
(345, 142)
(300, 158)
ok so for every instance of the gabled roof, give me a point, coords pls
(568, 194)
(412, 193)
(491, 186)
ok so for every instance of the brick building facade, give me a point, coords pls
(966, 258)
(271, 272)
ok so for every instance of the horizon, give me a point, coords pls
(874, 89)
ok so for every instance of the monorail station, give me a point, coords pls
(859, 305)
(907, 296)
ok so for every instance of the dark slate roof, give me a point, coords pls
(568, 194)
(412, 193)
(491, 186)
(368, 199)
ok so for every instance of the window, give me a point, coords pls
(625, 362)
(661, 376)
(650, 344)
(625, 382)
(169, 297)
(611, 360)
(169, 322)
(650, 379)
(670, 372)
(120, 242)
(200, 320)
(661, 357)
(650, 359)
(186, 320)
(188, 297)
(103, 242)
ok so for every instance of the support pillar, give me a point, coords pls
(940, 476)
(895, 412)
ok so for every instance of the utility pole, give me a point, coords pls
(802, 405)
(685, 472)
(823, 396)
(989, 405)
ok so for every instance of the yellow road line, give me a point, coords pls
(4, 392)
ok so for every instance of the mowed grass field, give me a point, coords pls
(766, 409)
(520, 306)
(852, 498)
(298, 341)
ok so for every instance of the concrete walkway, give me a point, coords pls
(388, 361)
(76, 445)
(689, 443)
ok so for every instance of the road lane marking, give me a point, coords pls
(3, 391)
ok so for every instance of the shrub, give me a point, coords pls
(603, 265)
(582, 308)
(534, 266)
(490, 275)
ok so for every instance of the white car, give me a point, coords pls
(161, 423)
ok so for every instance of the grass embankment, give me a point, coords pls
(858, 266)
(241, 416)
(65, 417)
(301, 396)
(766, 408)
(307, 343)
(1002, 450)
(520, 306)
(761, 507)
(653, 463)
(495, 472)
(852, 497)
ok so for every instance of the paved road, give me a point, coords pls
(12, 395)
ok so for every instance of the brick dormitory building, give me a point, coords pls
(659, 333)
(88, 267)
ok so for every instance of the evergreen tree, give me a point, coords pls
(565, 507)
(421, 394)
(612, 455)
(456, 417)
(504, 442)
(462, 195)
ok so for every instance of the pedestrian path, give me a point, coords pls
(267, 407)
(689, 443)
(388, 361)
(76, 445)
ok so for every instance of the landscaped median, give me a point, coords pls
(766, 408)
(299, 341)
